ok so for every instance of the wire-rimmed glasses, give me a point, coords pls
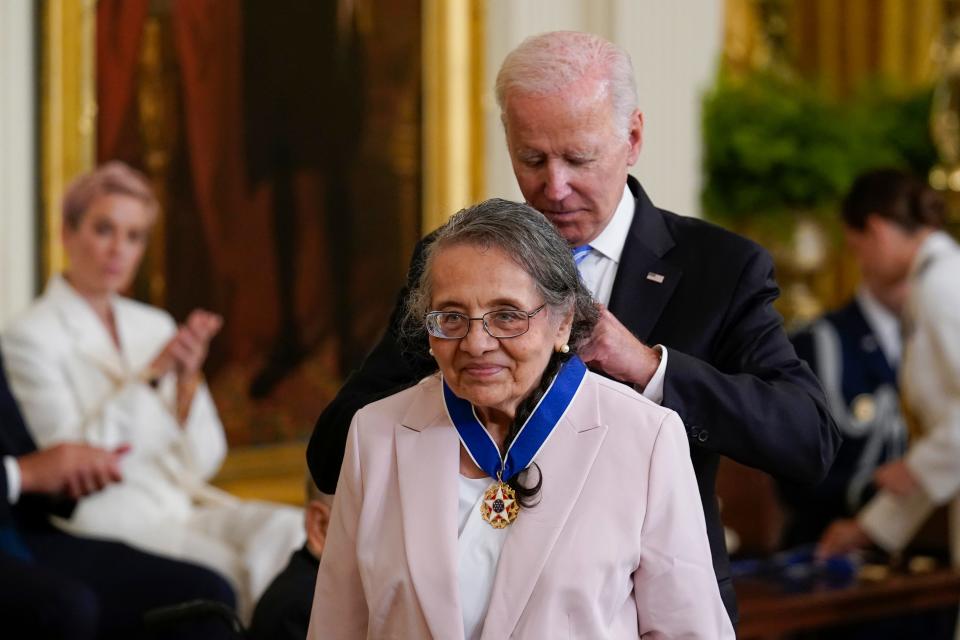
(505, 323)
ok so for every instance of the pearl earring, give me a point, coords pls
(431, 350)
(565, 349)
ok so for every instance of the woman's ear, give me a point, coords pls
(563, 329)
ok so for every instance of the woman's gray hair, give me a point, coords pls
(529, 239)
(549, 63)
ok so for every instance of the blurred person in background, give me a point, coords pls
(283, 612)
(855, 352)
(91, 366)
(58, 586)
(893, 223)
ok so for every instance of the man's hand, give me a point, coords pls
(71, 468)
(843, 536)
(187, 350)
(897, 478)
(613, 350)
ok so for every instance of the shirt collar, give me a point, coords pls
(883, 323)
(611, 240)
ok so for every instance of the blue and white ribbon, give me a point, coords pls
(532, 435)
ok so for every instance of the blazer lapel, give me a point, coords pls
(428, 463)
(139, 347)
(645, 279)
(92, 339)
(565, 461)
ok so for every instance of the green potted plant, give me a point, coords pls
(776, 146)
(779, 155)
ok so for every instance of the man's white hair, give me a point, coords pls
(549, 63)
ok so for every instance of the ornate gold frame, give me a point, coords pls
(454, 82)
(68, 109)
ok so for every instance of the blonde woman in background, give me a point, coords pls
(89, 365)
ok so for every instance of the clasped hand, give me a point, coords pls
(615, 351)
(71, 469)
(841, 537)
(846, 535)
(897, 478)
(186, 351)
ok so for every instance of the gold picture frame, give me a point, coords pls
(68, 113)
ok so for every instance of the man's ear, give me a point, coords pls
(853, 236)
(634, 137)
(875, 225)
(317, 518)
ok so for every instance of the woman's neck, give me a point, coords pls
(100, 303)
(497, 423)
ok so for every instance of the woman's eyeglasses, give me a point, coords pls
(508, 323)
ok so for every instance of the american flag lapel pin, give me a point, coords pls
(655, 277)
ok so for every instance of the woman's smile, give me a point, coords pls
(483, 370)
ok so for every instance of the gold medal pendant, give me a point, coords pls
(499, 506)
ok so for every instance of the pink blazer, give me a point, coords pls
(616, 548)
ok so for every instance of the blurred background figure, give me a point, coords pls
(893, 225)
(88, 365)
(283, 612)
(855, 353)
(55, 585)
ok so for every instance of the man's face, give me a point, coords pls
(882, 251)
(570, 157)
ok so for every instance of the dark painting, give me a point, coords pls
(283, 138)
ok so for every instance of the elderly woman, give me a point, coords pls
(88, 365)
(514, 494)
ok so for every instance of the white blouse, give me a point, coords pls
(479, 551)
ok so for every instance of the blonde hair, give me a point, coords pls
(114, 177)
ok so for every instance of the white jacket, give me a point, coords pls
(930, 384)
(73, 384)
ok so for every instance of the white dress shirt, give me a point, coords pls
(598, 269)
(479, 552)
(13, 479)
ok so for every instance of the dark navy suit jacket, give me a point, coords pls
(862, 375)
(732, 375)
(283, 612)
(31, 510)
